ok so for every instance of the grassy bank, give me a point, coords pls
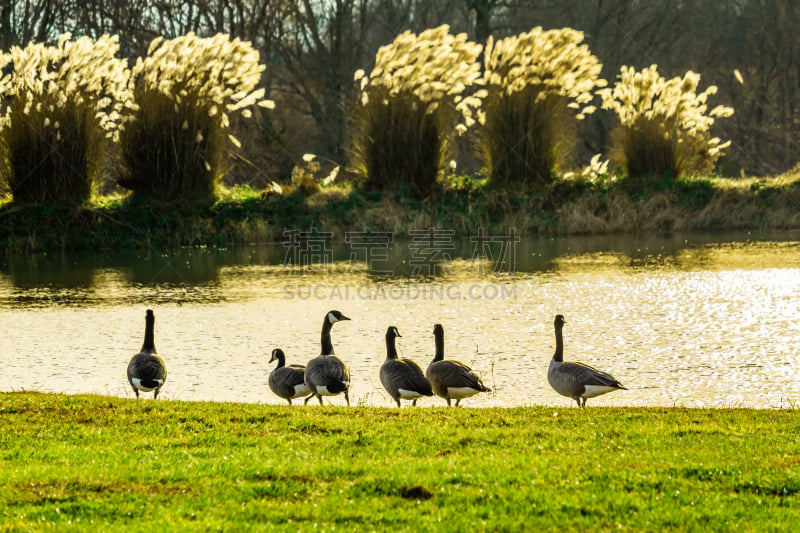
(102, 463)
(245, 216)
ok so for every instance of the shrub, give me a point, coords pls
(663, 127)
(59, 103)
(177, 135)
(536, 84)
(411, 104)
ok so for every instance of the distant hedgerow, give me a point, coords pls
(58, 104)
(410, 107)
(177, 134)
(664, 126)
(536, 83)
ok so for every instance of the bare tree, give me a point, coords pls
(766, 126)
(25, 21)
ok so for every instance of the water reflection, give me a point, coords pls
(680, 320)
(45, 280)
(184, 266)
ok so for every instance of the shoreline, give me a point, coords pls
(243, 216)
(433, 405)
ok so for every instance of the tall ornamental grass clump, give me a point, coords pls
(58, 105)
(412, 104)
(663, 125)
(177, 134)
(537, 84)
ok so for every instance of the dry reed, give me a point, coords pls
(664, 125)
(536, 84)
(178, 132)
(59, 105)
(410, 105)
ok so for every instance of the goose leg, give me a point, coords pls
(308, 398)
(346, 397)
(413, 403)
(448, 401)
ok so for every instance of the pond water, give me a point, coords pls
(688, 320)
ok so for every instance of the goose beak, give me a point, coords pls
(344, 318)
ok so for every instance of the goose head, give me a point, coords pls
(438, 330)
(277, 355)
(392, 333)
(335, 316)
(559, 322)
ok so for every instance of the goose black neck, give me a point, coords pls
(438, 336)
(559, 355)
(149, 336)
(281, 359)
(327, 345)
(391, 350)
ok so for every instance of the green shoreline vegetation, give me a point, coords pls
(96, 462)
(243, 216)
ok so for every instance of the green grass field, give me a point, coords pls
(103, 464)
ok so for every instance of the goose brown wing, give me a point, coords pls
(450, 373)
(328, 371)
(147, 368)
(588, 375)
(283, 380)
(404, 374)
(416, 378)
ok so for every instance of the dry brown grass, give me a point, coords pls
(770, 202)
(736, 204)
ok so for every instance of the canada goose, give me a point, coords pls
(451, 379)
(402, 378)
(146, 370)
(327, 375)
(288, 382)
(576, 380)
